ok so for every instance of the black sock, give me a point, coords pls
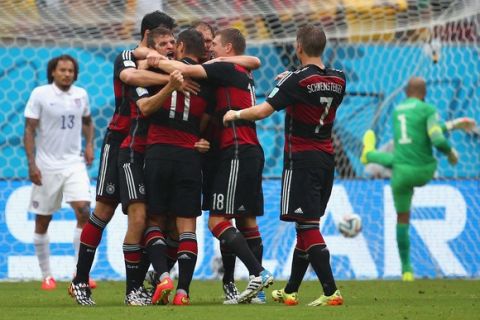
(187, 258)
(319, 257)
(256, 246)
(133, 259)
(254, 240)
(89, 241)
(300, 264)
(232, 238)
(172, 249)
(144, 265)
(157, 249)
(228, 259)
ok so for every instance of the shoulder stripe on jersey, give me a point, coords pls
(283, 80)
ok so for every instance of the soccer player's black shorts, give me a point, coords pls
(305, 193)
(174, 187)
(131, 178)
(237, 186)
(210, 163)
(107, 180)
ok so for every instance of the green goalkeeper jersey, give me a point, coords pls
(416, 130)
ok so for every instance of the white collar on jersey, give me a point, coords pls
(59, 91)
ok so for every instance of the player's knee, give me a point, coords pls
(214, 221)
(104, 211)
(41, 223)
(403, 217)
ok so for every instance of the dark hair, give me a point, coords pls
(193, 42)
(312, 39)
(158, 31)
(235, 37)
(52, 65)
(156, 19)
(203, 25)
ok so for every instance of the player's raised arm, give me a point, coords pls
(249, 62)
(463, 123)
(149, 105)
(439, 140)
(136, 77)
(194, 71)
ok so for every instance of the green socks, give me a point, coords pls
(403, 242)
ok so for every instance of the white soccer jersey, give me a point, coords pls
(58, 140)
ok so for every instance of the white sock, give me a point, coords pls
(42, 249)
(76, 242)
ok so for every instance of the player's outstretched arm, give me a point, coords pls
(257, 112)
(249, 62)
(194, 71)
(436, 135)
(462, 123)
(142, 78)
(151, 104)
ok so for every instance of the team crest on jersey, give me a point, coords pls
(78, 102)
(35, 204)
(141, 189)
(110, 188)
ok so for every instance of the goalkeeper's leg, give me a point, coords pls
(371, 155)
(404, 179)
(383, 158)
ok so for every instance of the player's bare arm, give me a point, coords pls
(151, 104)
(142, 78)
(249, 62)
(29, 142)
(257, 112)
(88, 132)
(141, 53)
(463, 123)
(194, 71)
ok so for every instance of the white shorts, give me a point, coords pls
(70, 185)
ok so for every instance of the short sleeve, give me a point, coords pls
(139, 93)
(282, 95)
(86, 103)
(218, 72)
(124, 61)
(33, 108)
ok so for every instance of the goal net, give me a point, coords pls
(378, 43)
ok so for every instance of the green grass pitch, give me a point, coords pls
(422, 299)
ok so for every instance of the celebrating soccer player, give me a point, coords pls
(311, 96)
(237, 186)
(108, 196)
